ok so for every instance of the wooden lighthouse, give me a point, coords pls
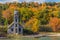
(15, 27)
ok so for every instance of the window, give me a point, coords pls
(16, 19)
(11, 29)
(15, 25)
(19, 29)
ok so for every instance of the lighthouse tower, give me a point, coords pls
(15, 27)
(16, 22)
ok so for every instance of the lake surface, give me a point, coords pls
(32, 38)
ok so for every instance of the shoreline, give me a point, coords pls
(39, 35)
(43, 35)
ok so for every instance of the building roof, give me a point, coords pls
(13, 23)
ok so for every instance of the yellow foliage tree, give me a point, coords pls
(33, 23)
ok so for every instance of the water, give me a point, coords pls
(31, 38)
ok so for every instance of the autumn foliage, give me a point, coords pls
(55, 23)
(32, 24)
(33, 14)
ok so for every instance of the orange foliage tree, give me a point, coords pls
(54, 23)
(7, 14)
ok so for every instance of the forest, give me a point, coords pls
(33, 16)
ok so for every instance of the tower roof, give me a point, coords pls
(15, 11)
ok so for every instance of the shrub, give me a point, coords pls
(27, 32)
(45, 29)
